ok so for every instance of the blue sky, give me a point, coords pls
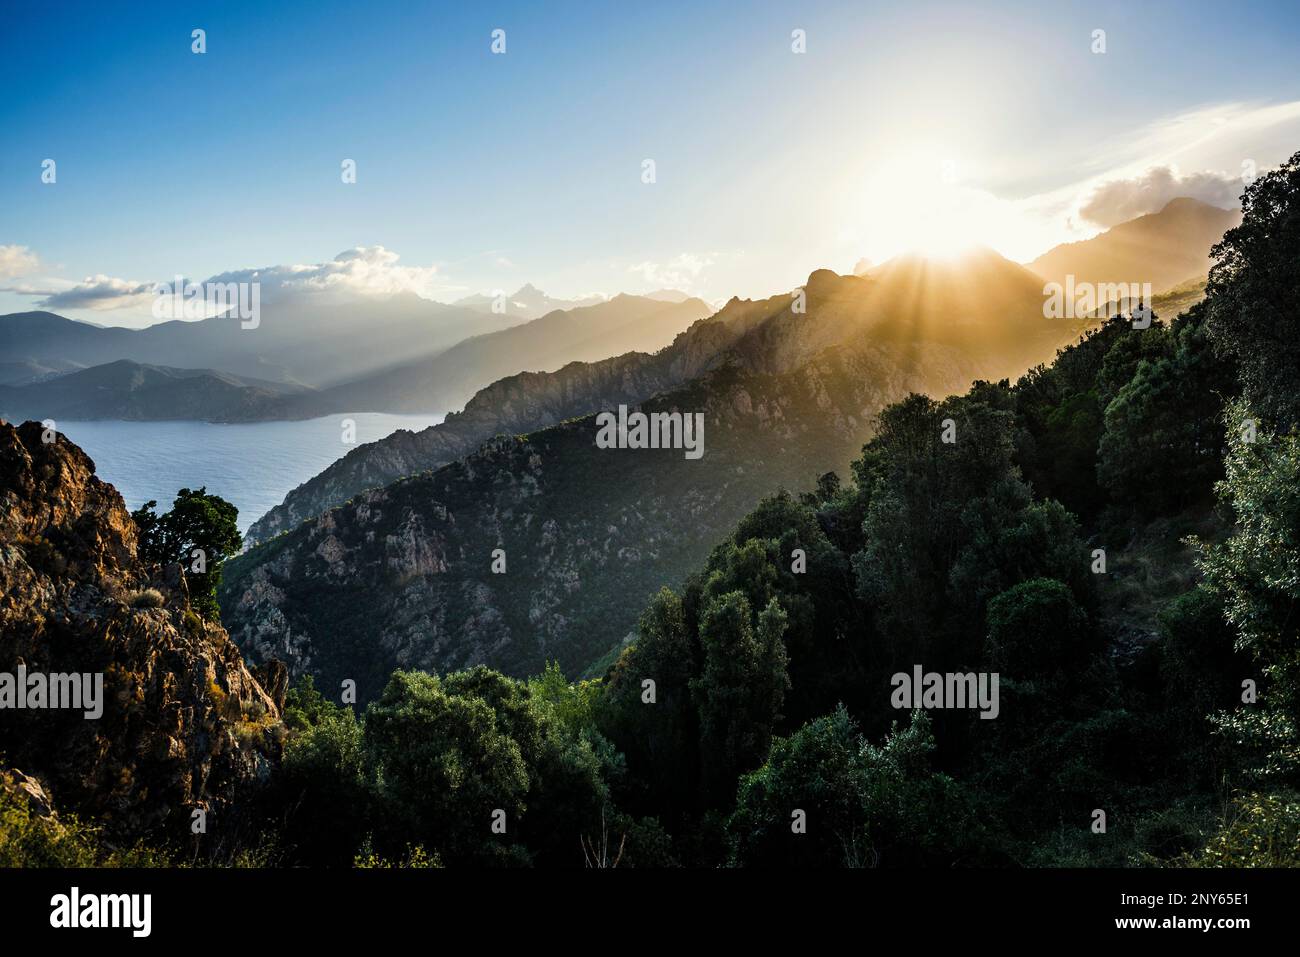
(482, 171)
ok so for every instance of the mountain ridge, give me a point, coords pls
(767, 335)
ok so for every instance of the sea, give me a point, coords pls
(251, 465)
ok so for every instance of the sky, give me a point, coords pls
(901, 126)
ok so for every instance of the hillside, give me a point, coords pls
(400, 576)
(26, 371)
(133, 391)
(1163, 248)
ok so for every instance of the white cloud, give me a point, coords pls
(362, 270)
(100, 293)
(683, 270)
(17, 261)
(1119, 200)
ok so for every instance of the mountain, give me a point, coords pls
(1163, 248)
(401, 576)
(131, 390)
(320, 348)
(314, 339)
(982, 303)
(527, 302)
(26, 371)
(447, 380)
(668, 295)
(185, 724)
(1180, 297)
(988, 307)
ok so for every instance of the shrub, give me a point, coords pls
(1260, 830)
(145, 598)
(1035, 629)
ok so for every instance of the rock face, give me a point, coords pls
(185, 725)
(402, 576)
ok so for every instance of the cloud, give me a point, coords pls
(363, 270)
(17, 261)
(100, 293)
(1120, 200)
(682, 270)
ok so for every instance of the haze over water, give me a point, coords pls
(252, 465)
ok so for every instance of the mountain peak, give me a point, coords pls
(1189, 203)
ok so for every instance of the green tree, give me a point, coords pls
(1253, 296)
(741, 687)
(1255, 574)
(649, 714)
(200, 532)
(442, 764)
(1163, 445)
(950, 524)
(1035, 630)
(862, 805)
(321, 794)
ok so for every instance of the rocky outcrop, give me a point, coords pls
(184, 723)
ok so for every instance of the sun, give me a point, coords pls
(916, 202)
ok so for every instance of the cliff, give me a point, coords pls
(185, 725)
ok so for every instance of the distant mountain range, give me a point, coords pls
(316, 354)
(449, 379)
(127, 389)
(529, 302)
(135, 391)
(526, 302)
(402, 573)
(788, 386)
(311, 339)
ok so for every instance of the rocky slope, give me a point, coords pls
(402, 576)
(185, 724)
(990, 309)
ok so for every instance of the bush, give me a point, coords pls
(1035, 629)
(1261, 830)
(28, 839)
(864, 805)
(145, 598)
